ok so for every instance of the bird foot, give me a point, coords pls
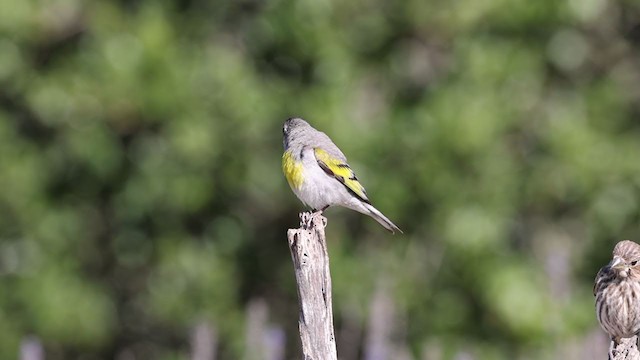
(308, 217)
(612, 347)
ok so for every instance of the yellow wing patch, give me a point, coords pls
(292, 170)
(341, 171)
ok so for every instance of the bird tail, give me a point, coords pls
(379, 217)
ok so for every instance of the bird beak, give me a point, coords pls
(617, 263)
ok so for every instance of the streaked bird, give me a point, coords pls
(617, 292)
(319, 174)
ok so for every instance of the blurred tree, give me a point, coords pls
(140, 146)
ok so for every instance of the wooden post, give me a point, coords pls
(627, 350)
(31, 349)
(308, 248)
(204, 341)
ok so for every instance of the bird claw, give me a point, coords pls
(305, 220)
(322, 218)
(308, 217)
(612, 347)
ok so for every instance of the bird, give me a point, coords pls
(617, 293)
(319, 175)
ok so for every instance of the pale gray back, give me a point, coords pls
(300, 134)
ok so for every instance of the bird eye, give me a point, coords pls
(634, 262)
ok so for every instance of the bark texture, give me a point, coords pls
(308, 248)
(627, 350)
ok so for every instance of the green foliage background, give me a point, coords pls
(141, 190)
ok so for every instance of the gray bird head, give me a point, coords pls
(294, 128)
(298, 134)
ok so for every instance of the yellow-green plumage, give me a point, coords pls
(319, 175)
(342, 171)
(292, 170)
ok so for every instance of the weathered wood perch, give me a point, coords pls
(627, 350)
(308, 246)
